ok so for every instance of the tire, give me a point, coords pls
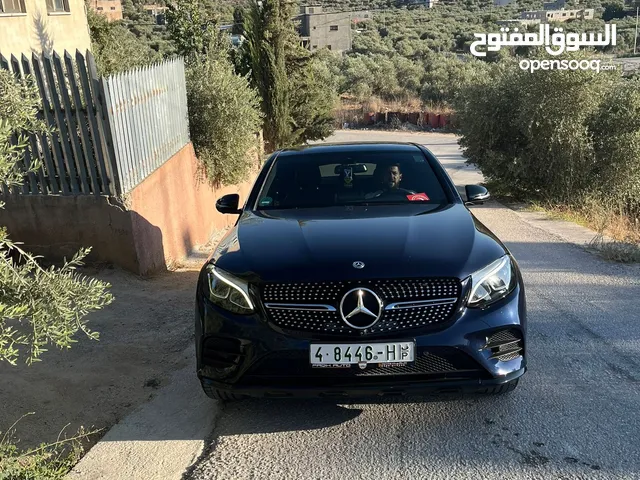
(502, 389)
(220, 394)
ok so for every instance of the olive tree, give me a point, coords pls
(38, 306)
(224, 117)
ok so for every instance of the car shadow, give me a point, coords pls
(265, 416)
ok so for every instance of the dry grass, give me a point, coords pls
(617, 251)
(623, 230)
(354, 113)
(403, 105)
(616, 226)
(375, 104)
(52, 461)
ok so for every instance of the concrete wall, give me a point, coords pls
(322, 35)
(167, 214)
(181, 207)
(38, 30)
(58, 226)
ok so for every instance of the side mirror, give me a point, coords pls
(476, 194)
(229, 204)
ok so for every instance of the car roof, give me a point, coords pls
(349, 147)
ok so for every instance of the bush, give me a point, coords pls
(556, 136)
(613, 10)
(115, 48)
(615, 129)
(446, 75)
(224, 118)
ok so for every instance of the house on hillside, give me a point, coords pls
(332, 30)
(547, 16)
(112, 9)
(36, 26)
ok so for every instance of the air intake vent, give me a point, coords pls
(222, 352)
(505, 345)
(294, 365)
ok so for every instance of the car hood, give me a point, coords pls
(322, 245)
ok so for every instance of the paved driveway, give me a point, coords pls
(575, 415)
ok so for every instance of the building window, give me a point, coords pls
(333, 28)
(113, 8)
(100, 8)
(329, 47)
(57, 6)
(12, 6)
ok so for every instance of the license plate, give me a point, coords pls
(361, 353)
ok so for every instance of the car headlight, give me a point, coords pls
(228, 292)
(493, 282)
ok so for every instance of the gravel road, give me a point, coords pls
(575, 414)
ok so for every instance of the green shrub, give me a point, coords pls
(445, 76)
(224, 118)
(615, 130)
(556, 136)
(115, 48)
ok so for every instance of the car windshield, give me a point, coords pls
(351, 178)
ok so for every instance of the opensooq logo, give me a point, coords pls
(570, 42)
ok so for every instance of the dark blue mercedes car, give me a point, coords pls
(358, 270)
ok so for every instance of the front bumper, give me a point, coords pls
(462, 345)
(394, 388)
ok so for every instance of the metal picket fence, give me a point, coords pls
(147, 111)
(75, 157)
(107, 134)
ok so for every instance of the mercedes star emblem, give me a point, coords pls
(358, 264)
(360, 308)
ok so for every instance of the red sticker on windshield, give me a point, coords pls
(418, 197)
